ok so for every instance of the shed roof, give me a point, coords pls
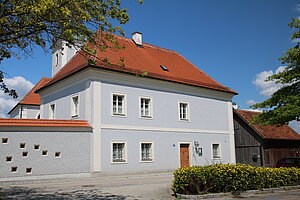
(269, 131)
(145, 60)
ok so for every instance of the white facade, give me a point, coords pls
(209, 119)
(25, 112)
(139, 124)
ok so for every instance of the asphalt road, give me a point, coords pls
(143, 186)
(129, 187)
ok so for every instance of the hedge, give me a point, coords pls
(231, 178)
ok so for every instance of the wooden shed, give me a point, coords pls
(262, 145)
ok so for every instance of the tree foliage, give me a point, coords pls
(28, 23)
(284, 105)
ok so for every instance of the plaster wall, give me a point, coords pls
(165, 148)
(74, 148)
(204, 113)
(28, 112)
(62, 99)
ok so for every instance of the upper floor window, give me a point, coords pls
(183, 111)
(52, 111)
(74, 106)
(118, 104)
(216, 151)
(145, 109)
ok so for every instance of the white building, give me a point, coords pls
(139, 109)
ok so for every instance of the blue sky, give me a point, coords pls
(236, 42)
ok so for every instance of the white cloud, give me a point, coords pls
(21, 85)
(267, 88)
(251, 102)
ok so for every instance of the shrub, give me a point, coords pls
(231, 178)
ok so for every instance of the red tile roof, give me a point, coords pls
(13, 122)
(269, 131)
(32, 98)
(144, 60)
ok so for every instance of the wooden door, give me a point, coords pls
(184, 155)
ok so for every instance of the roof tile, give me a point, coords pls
(146, 61)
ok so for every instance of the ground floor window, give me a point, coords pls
(216, 150)
(118, 152)
(146, 151)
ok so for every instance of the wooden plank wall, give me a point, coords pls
(273, 155)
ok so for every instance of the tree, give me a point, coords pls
(284, 105)
(28, 23)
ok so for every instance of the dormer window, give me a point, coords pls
(164, 68)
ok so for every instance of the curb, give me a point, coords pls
(242, 194)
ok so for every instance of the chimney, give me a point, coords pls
(137, 38)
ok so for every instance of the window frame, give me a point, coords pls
(152, 152)
(187, 119)
(219, 151)
(150, 116)
(74, 115)
(124, 114)
(52, 112)
(112, 153)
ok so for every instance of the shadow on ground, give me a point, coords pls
(18, 193)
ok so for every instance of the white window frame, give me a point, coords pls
(112, 153)
(52, 112)
(150, 116)
(187, 119)
(124, 113)
(152, 152)
(219, 151)
(74, 110)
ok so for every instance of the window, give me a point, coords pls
(146, 151)
(57, 154)
(118, 105)
(28, 170)
(145, 107)
(14, 169)
(56, 59)
(8, 158)
(4, 140)
(52, 111)
(45, 152)
(36, 147)
(216, 150)
(25, 153)
(183, 111)
(74, 108)
(118, 152)
(22, 145)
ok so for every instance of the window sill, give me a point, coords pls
(118, 115)
(184, 120)
(146, 161)
(146, 117)
(125, 162)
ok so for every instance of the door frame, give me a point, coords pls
(190, 153)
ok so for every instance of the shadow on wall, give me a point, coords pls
(18, 193)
